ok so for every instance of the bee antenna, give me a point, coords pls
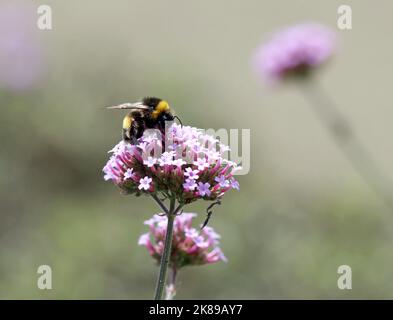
(178, 119)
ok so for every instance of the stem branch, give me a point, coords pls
(160, 203)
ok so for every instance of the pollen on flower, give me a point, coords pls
(189, 245)
(192, 166)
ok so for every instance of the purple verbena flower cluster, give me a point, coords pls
(295, 51)
(21, 56)
(192, 167)
(189, 245)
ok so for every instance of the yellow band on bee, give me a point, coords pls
(163, 106)
(127, 122)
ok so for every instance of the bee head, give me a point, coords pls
(159, 108)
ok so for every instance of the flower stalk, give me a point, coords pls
(167, 251)
(346, 140)
(171, 287)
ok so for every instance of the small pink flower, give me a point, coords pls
(191, 174)
(203, 189)
(196, 147)
(191, 233)
(190, 184)
(201, 163)
(150, 161)
(178, 163)
(144, 239)
(216, 255)
(166, 158)
(213, 154)
(224, 148)
(109, 175)
(222, 181)
(144, 183)
(235, 184)
(129, 174)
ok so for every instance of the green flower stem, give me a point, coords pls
(166, 255)
(171, 287)
(346, 140)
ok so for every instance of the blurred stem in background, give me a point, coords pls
(345, 138)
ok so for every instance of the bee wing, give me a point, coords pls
(128, 105)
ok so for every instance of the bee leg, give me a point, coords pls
(125, 135)
(136, 133)
(209, 212)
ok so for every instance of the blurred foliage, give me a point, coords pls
(301, 211)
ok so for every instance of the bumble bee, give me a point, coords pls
(150, 113)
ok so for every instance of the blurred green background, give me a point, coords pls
(302, 210)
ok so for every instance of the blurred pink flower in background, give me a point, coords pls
(20, 51)
(205, 174)
(189, 245)
(294, 51)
